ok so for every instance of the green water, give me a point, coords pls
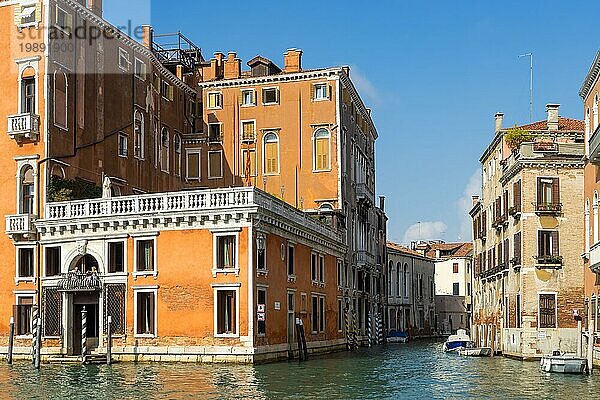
(415, 370)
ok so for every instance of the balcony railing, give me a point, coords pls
(364, 258)
(594, 146)
(548, 208)
(20, 224)
(545, 261)
(364, 192)
(76, 281)
(24, 127)
(595, 258)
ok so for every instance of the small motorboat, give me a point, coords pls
(476, 351)
(456, 342)
(563, 363)
(397, 337)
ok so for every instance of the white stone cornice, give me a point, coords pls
(269, 79)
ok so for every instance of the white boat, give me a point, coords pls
(476, 352)
(456, 342)
(563, 363)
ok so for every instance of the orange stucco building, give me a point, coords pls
(207, 210)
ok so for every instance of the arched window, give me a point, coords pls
(177, 151)
(321, 150)
(60, 99)
(27, 190)
(391, 277)
(398, 279)
(595, 217)
(405, 280)
(138, 135)
(156, 147)
(164, 150)
(587, 225)
(28, 89)
(326, 207)
(271, 154)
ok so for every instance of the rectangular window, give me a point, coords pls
(321, 91)
(166, 90)
(116, 257)
(248, 131)
(140, 69)
(249, 162)
(547, 244)
(248, 97)
(226, 312)
(226, 252)
(214, 100)
(455, 289)
(272, 157)
(270, 96)
(145, 312)
(124, 62)
(548, 194)
(214, 132)
(261, 301)
(215, 164)
(25, 262)
(192, 164)
(22, 313)
(315, 314)
(52, 261)
(122, 145)
(64, 20)
(28, 95)
(321, 314)
(291, 260)
(145, 255)
(340, 273)
(455, 268)
(547, 310)
(321, 269)
(313, 267)
(321, 161)
(261, 253)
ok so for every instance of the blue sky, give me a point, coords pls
(434, 73)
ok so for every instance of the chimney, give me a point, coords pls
(233, 66)
(475, 200)
(216, 66)
(552, 110)
(346, 70)
(499, 119)
(95, 6)
(292, 61)
(147, 36)
(382, 203)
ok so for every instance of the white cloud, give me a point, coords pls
(364, 86)
(465, 203)
(425, 231)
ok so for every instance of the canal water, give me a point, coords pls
(417, 370)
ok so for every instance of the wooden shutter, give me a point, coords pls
(541, 243)
(555, 191)
(215, 165)
(539, 191)
(17, 316)
(151, 305)
(517, 196)
(484, 230)
(271, 158)
(140, 313)
(313, 91)
(506, 203)
(329, 91)
(555, 244)
(517, 247)
(276, 95)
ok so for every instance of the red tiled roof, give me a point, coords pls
(457, 249)
(404, 249)
(564, 124)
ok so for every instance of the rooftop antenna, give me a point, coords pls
(530, 55)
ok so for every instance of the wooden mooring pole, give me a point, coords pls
(38, 343)
(590, 343)
(11, 339)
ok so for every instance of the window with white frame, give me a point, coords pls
(314, 267)
(214, 100)
(140, 69)
(145, 256)
(226, 311)
(270, 96)
(248, 162)
(226, 251)
(321, 268)
(215, 164)
(145, 312)
(116, 257)
(314, 315)
(192, 164)
(23, 315)
(122, 144)
(261, 300)
(248, 131)
(261, 252)
(28, 91)
(138, 135)
(27, 188)
(271, 154)
(320, 91)
(25, 263)
(52, 261)
(248, 97)
(124, 61)
(166, 90)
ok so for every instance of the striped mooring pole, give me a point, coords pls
(377, 329)
(369, 329)
(34, 328)
(348, 329)
(354, 330)
(83, 335)
(380, 327)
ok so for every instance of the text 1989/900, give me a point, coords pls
(41, 47)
